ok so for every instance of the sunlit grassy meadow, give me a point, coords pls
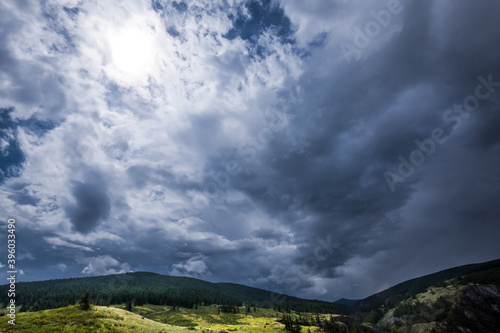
(150, 318)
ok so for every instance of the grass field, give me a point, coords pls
(99, 319)
(208, 319)
(149, 318)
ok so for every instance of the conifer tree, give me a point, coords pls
(85, 302)
(128, 306)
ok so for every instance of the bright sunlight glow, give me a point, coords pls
(132, 52)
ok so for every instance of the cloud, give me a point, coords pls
(10, 153)
(194, 266)
(26, 255)
(229, 139)
(102, 265)
(62, 267)
(57, 242)
(255, 17)
(92, 203)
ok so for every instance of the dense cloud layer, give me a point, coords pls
(325, 149)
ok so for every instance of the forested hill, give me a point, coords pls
(151, 288)
(482, 273)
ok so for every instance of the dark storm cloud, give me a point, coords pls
(485, 131)
(39, 257)
(266, 233)
(450, 78)
(92, 203)
(356, 122)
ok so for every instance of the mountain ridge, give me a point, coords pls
(442, 302)
(148, 287)
(419, 284)
(408, 287)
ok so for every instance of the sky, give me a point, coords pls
(320, 148)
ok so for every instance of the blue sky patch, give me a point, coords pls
(37, 126)
(72, 11)
(11, 155)
(54, 23)
(23, 197)
(157, 6)
(264, 15)
(172, 31)
(180, 6)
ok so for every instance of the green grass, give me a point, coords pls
(99, 319)
(204, 315)
(432, 294)
(149, 318)
(430, 299)
(207, 318)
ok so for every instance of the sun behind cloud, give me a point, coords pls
(133, 51)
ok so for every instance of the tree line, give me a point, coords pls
(149, 288)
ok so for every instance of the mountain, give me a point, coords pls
(414, 286)
(152, 288)
(460, 299)
(347, 302)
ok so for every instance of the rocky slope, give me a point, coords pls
(454, 308)
(478, 310)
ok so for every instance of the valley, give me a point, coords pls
(460, 299)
